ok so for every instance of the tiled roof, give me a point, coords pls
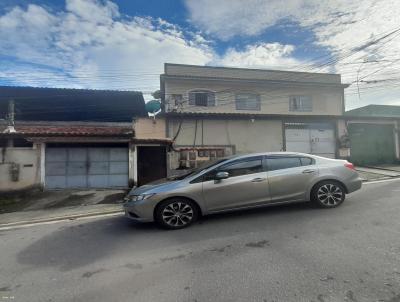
(35, 130)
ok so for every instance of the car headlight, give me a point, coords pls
(139, 197)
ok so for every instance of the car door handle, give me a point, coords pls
(258, 179)
(308, 171)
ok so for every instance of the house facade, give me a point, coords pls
(72, 138)
(374, 134)
(213, 112)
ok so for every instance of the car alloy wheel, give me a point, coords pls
(330, 195)
(177, 214)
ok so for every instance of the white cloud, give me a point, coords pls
(90, 45)
(338, 25)
(261, 55)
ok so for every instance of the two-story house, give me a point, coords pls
(217, 111)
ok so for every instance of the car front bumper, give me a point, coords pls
(133, 216)
(140, 211)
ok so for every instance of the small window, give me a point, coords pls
(279, 163)
(306, 161)
(248, 101)
(300, 103)
(243, 167)
(202, 98)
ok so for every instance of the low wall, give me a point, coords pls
(19, 168)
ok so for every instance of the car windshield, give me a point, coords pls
(198, 170)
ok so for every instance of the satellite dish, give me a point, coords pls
(153, 106)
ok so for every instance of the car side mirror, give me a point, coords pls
(221, 175)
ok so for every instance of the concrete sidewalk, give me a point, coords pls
(65, 213)
(369, 174)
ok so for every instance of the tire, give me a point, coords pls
(328, 194)
(176, 213)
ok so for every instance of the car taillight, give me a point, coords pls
(349, 165)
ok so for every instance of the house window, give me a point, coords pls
(203, 98)
(248, 101)
(300, 103)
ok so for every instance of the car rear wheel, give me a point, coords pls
(328, 194)
(176, 213)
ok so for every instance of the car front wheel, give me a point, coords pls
(328, 194)
(176, 213)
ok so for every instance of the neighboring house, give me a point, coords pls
(213, 112)
(374, 134)
(74, 138)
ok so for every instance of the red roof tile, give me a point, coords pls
(34, 130)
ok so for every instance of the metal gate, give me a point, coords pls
(318, 139)
(86, 167)
(371, 144)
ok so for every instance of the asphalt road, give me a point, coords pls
(285, 253)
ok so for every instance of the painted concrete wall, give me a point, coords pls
(274, 98)
(28, 161)
(150, 128)
(246, 135)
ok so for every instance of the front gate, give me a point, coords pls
(91, 167)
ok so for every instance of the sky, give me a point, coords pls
(123, 44)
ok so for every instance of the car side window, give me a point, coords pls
(243, 167)
(306, 161)
(239, 167)
(279, 163)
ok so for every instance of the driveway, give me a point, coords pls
(285, 253)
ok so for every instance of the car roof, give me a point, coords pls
(281, 153)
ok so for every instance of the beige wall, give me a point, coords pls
(150, 128)
(274, 98)
(28, 175)
(247, 136)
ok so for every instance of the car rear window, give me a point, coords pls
(282, 162)
(306, 161)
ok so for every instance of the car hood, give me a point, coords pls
(157, 186)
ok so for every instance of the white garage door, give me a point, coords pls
(318, 139)
(86, 167)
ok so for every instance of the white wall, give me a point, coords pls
(28, 175)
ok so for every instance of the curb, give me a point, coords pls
(59, 218)
(376, 179)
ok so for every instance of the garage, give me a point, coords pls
(311, 138)
(372, 143)
(86, 167)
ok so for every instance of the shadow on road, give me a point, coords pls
(74, 246)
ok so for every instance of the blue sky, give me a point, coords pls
(123, 44)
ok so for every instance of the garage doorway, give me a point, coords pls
(372, 144)
(151, 163)
(81, 166)
(311, 138)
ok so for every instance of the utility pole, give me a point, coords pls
(10, 118)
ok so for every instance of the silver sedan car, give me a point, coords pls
(243, 182)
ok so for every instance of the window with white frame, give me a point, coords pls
(300, 103)
(204, 98)
(247, 101)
